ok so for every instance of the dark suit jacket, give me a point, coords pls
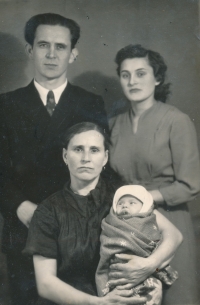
(30, 153)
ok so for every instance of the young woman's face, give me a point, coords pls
(137, 79)
(86, 155)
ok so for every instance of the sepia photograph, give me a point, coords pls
(99, 152)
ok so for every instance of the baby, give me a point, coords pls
(131, 228)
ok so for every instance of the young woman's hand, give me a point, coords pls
(127, 271)
(121, 297)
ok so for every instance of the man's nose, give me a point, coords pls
(51, 52)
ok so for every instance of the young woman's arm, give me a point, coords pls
(52, 288)
(131, 270)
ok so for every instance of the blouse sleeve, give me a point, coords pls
(185, 158)
(43, 233)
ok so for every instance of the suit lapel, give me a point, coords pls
(64, 112)
(32, 106)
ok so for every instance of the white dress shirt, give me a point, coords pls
(43, 92)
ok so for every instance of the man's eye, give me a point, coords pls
(43, 45)
(60, 47)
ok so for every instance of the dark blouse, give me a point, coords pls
(67, 227)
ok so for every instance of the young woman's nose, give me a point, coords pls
(132, 80)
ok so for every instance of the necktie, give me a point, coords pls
(51, 104)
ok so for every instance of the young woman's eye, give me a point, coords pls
(124, 75)
(141, 74)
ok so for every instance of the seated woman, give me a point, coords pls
(65, 229)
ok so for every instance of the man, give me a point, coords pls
(33, 119)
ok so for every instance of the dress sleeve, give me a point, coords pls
(43, 233)
(185, 158)
(10, 195)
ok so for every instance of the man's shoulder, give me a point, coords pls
(17, 93)
(79, 91)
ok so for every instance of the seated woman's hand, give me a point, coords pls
(121, 297)
(127, 271)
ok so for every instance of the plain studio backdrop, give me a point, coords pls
(169, 27)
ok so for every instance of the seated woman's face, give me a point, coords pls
(137, 79)
(86, 155)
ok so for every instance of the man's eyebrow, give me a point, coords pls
(42, 41)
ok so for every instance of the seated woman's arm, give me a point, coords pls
(130, 270)
(52, 288)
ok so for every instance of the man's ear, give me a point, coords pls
(73, 55)
(29, 50)
(65, 155)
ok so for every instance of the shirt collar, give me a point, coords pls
(43, 91)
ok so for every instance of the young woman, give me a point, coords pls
(155, 145)
(65, 229)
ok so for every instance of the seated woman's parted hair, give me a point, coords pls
(51, 19)
(83, 127)
(155, 61)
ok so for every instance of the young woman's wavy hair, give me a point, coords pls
(156, 62)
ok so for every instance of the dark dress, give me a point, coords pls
(67, 227)
(163, 155)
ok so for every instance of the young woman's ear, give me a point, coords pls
(65, 155)
(29, 50)
(73, 55)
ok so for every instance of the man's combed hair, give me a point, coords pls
(156, 62)
(51, 19)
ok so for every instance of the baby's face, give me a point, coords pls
(128, 205)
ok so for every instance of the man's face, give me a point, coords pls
(51, 53)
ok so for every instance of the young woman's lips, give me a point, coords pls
(134, 90)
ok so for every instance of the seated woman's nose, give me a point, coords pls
(85, 157)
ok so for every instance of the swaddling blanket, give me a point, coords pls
(138, 235)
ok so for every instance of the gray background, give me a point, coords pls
(166, 26)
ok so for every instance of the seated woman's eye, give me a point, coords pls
(94, 150)
(77, 149)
